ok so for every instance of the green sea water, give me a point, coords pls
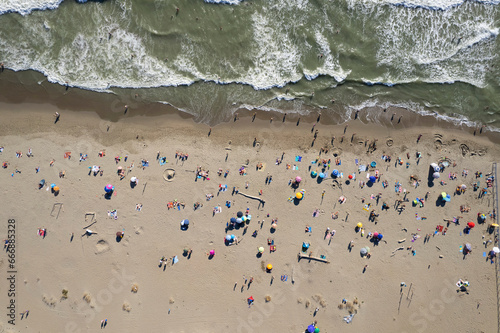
(209, 59)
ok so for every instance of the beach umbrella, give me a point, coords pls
(310, 329)
(314, 173)
(316, 330)
(133, 179)
(463, 187)
(468, 247)
(350, 177)
(373, 179)
(305, 245)
(298, 195)
(269, 267)
(298, 179)
(232, 220)
(447, 198)
(228, 237)
(435, 167)
(363, 251)
(52, 185)
(367, 249)
(496, 250)
(185, 222)
(274, 225)
(380, 236)
(436, 175)
(233, 237)
(321, 175)
(335, 173)
(56, 188)
(212, 252)
(239, 214)
(249, 217)
(359, 225)
(373, 164)
(261, 249)
(238, 220)
(471, 225)
(443, 195)
(109, 188)
(375, 234)
(244, 218)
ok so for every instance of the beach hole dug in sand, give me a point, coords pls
(101, 246)
(87, 297)
(126, 307)
(64, 294)
(308, 303)
(135, 288)
(319, 298)
(169, 174)
(389, 142)
(267, 298)
(464, 149)
(49, 300)
(171, 300)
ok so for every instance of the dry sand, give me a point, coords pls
(198, 294)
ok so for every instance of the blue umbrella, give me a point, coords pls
(310, 329)
(447, 198)
(373, 164)
(335, 173)
(305, 245)
(185, 222)
(228, 237)
(321, 175)
(314, 173)
(373, 179)
(233, 220)
(380, 236)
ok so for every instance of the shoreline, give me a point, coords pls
(110, 107)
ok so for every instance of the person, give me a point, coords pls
(89, 232)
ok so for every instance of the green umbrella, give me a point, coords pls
(316, 330)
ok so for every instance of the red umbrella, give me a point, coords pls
(350, 177)
(471, 225)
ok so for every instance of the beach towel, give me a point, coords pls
(175, 260)
(348, 318)
(362, 168)
(298, 158)
(163, 160)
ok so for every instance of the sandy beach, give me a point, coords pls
(73, 281)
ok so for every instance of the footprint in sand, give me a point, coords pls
(101, 247)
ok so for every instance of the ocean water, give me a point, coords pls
(211, 57)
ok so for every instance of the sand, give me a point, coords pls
(121, 281)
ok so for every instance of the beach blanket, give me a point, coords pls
(298, 158)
